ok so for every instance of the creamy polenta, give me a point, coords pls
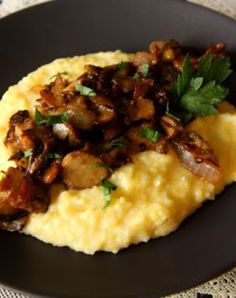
(154, 194)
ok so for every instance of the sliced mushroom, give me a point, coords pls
(171, 126)
(52, 94)
(144, 58)
(66, 131)
(143, 143)
(14, 224)
(197, 156)
(104, 109)
(81, 118)
(30, 195)
(141, 109)
(51, 172)
(23, 192)
(78, 170)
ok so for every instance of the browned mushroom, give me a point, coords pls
(171, 126)
(65, 131)
(51, 172)
(104, 109)
(141, 109)
(78, 170)
(52, 94)
(15, 223)
(135, 136)
(23, 192)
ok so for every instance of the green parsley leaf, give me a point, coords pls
(50, 119)
(28, 153)
(214, 69)
(102, 165)
(54, 155)
(108, 186)
(86, 91)
(117, 143)
(63, 73)
(121, 65)
(196, 83)
(168, 113)
(202, 101)
(145, 70)
(183, 80)
(38, 117)
(136, 76)
(149, 133)
(54, 119)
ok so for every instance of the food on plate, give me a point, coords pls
(110, 149)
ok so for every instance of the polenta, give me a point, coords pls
(153, 194)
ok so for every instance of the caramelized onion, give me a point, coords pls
(197, 156)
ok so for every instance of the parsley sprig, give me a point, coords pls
(108, 186)
(198, 92)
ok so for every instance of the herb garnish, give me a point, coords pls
(28, 153)
(102, 165)
(198, 93)
(145, 70)
(183, 80)
(119, 143)
(201, 100)
(214, 69)
(54, 155)
(149, 133)
(136, 76)
(108, 186)
(50, 119)
(121, 65)
(84, 90)
(63, 73)
(170, 114)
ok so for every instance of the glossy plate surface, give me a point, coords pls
(205, 245)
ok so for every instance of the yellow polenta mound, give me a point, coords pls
(154, 194)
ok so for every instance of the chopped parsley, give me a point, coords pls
(84, 90)
(145, 70)
(102, 165)
(149, 133)
(50, 119)
(28, 153)
(121, 65)
(136, 76)
(54, 155)
(119, 143)
(199, 93)
(63, 73)
(108, 186)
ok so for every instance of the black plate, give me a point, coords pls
(205, 245)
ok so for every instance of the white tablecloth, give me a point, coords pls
(225, 285)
